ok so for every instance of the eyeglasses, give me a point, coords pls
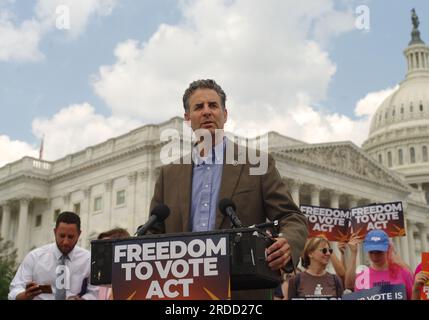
(325, 250)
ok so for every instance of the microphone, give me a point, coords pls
(227, 207)
(158, 214)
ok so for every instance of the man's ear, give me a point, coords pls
(187, 117)
(225, 112)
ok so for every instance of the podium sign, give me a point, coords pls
(181, 267)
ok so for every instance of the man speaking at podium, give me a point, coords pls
(193, 188)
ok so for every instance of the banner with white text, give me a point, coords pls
(388, 217)
(330, 223)
(180, 267)
(386, 292)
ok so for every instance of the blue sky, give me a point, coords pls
(299, 68)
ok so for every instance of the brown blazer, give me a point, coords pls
(256, 197)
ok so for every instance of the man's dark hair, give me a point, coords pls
(114, 234)
(203, 84)
(69, 218)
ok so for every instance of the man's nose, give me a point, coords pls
(206, 109)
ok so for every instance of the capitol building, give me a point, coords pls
(111, 184)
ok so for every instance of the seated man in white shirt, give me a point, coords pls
(56, 271)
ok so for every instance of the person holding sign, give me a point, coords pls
(383, 270)
(217, 168)
(421, 279)
(315, 282)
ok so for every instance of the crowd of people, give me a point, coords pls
(386, 267)
(61, 270)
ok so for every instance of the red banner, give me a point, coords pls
(330, 223)
(180, 267)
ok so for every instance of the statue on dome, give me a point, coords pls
(415, 19)
(415, 35)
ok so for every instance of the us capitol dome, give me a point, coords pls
(399, 131)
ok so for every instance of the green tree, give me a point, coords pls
(7, 267)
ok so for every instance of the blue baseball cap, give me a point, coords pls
(376, 240)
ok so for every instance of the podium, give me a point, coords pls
(240, 254)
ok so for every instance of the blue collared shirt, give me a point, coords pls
(206, 179)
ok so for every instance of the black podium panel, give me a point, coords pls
(248, 266)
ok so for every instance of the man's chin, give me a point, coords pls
(65, 251)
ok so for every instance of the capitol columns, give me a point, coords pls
(411, 243)
(66, 201)
(353, 201)
(108, 185)
(21, 243)
(132, 181)
(5, 225)
(423, 237)
(146, 191)
(335, 199)
(85, 215)
(315, 195)
(405, 250)
(295, 185)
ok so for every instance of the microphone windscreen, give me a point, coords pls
(161, 212)
(224, 203)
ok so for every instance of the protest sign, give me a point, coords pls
(185, 268)
(338, 224)
(386, 292)
(425, 268)
(330, 223)
(388, 217)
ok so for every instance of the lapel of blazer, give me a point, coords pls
(185, 191)
(230, 176)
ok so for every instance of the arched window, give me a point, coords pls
(412, 155)
(400, 157)
(425, 153)
(421, 107)
(389, 159)
(380, 159)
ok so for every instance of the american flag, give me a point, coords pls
(41, 148)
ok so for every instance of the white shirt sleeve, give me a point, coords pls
(91, 292)
(22, 277)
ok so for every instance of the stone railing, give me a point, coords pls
(26, 164)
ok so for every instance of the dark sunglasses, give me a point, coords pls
(325, 250)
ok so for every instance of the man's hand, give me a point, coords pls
(32, 290)
(75, 298)
(278, 254)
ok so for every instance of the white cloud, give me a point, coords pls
(20, 41)
(76, 127)
(268, 56)
(368, 105)
(13, 150)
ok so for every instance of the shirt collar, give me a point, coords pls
(58, 254)
(218, 154)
